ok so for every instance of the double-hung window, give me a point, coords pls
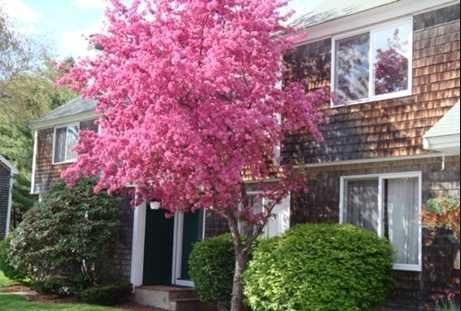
(65, 140)
(390, 205)
(374, 64)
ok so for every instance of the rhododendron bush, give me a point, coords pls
(191, 102)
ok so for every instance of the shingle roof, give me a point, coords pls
(72, 108)
(326, 11)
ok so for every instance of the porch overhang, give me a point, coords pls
(445, 135)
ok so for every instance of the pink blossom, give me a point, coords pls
(189, 96)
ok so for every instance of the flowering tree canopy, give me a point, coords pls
(192, 104)
(190, 97)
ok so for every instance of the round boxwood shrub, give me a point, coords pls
(322, 268)
(211, 267)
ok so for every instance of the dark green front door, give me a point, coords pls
(192, 232)
(158, 248)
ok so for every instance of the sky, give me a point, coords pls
(63, 25)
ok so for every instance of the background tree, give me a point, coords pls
(193, 106)
(27, 91)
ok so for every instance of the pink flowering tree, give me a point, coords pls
(192, 107)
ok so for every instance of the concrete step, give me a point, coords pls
(167, 298)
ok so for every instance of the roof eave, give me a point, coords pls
(43, 124)
(9, 165)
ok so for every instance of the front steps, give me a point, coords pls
(169, 298)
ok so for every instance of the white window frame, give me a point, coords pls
(371, 83)
(381, 178)
(76, 124)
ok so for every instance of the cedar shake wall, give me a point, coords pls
(215, 225)
(45, 172)
(4, 198)
(122, 260)
(321, 205)
(389, 128)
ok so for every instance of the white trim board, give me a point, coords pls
(137, 247)
(377, 160)
(370, 17)
(380, 178)
(85, 116)
(34, 163)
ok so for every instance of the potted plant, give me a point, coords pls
(444, 213)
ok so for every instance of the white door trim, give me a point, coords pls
(137, 250)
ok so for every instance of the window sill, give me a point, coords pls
(373, 99)
(407, 268)
(64, 162)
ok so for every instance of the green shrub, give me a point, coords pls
(211, 266)
(108, 295)
(5, 265)
(321, 268)
(67, 240)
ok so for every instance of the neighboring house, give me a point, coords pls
(391, 143)
(392, 130)
(7, 172)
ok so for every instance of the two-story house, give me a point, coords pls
(392, 130)
(391, 142)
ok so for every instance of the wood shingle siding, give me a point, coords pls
(5, 176)
(320, 204)
(388, 128)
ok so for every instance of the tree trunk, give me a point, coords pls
(241, 260)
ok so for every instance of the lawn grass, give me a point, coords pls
(13, 302)
(4, 281)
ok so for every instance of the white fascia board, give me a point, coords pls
(447, 144)
(368, 18)
(38, 125)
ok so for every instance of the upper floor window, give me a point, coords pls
(374, 64)
(66, 139)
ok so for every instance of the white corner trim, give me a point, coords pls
(34, 163)
(10, 206)
(137, 248)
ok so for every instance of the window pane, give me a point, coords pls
(403, 213)
(391, 54)
(91, 125)
(60, 145)
(361, 206)
(352, 68)
(71, 142)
